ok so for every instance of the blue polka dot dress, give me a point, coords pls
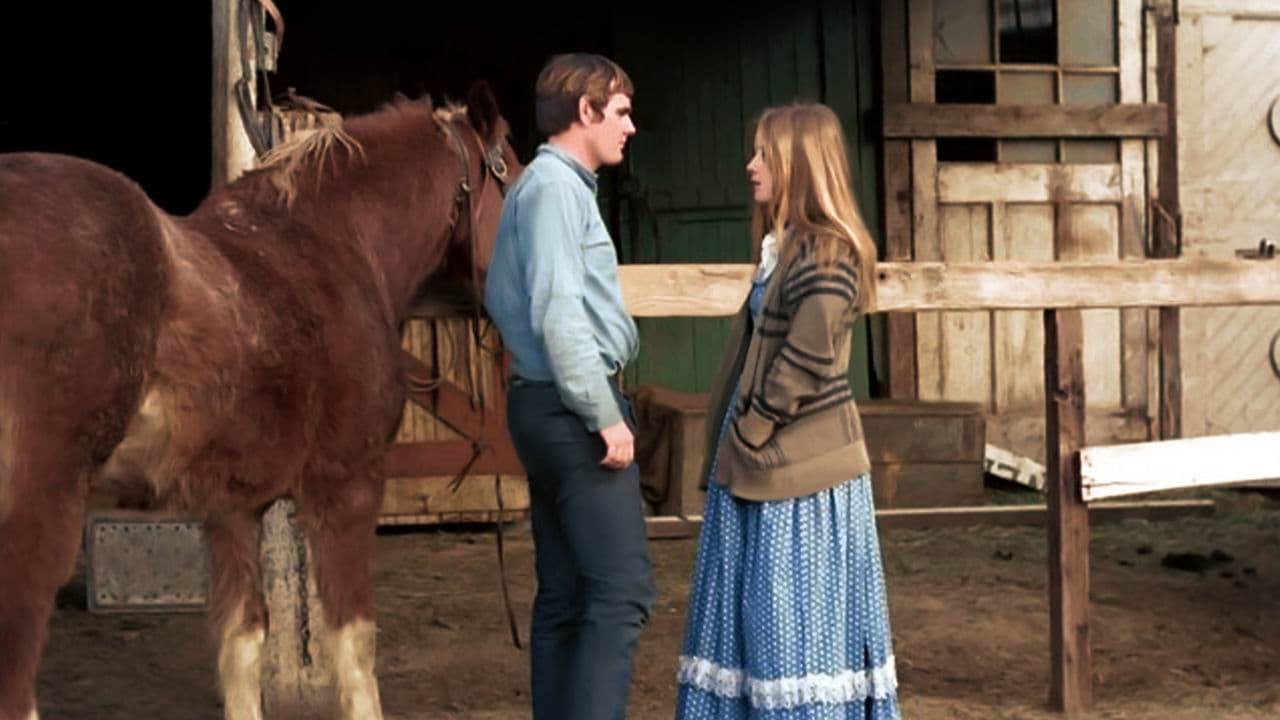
(788, 616)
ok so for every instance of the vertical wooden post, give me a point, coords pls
(1070, 688)
(295, 681)
(900, 327)
(1168, 223)
(232, 151)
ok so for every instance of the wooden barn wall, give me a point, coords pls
(447, 346)
(682, 196)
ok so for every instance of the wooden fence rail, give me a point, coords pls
(717, 290)
(1116, 470)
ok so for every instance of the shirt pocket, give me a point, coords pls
(598, 251)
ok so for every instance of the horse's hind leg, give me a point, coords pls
(237, 611)
(43, 486)
(340, 520)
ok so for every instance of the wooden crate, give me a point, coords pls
(670, 450)
(923, 454)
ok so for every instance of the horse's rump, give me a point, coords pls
(82, 280)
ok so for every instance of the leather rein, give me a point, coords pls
(464, 208)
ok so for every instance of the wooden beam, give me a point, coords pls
(934, 120)
(718, 290)
(925, 518)
(446, 518)
(231, 149)
(1167, 221)
(1145, 467)
(679, 290)
(672, 527)
(981, 183)
(1022, 286)
(1070, 682)
(294, 683)
(1035, 515)
(900, 328)
(924, 241)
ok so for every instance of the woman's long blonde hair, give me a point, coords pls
(804, 148)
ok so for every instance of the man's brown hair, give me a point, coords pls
(565, 78)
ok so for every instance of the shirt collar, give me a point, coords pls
(567, 158)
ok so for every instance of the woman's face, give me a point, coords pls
(759, 176)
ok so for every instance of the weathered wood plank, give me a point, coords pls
(933, 120)
(1168, 226)
(934, 517)
(1035, 515)
(1246, 9)
(1015, 468)
(680, 290)
(1019, 286)
(448, 518)
(718, 289)
(1070, 683)
(1029, 183)
(963, 339)
(1114, 470)
(900, 328)
(1018, 375)
(296, 681)
(922, 185)
(1090, 233)
(232, 153)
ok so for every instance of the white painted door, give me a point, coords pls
(1229, 127)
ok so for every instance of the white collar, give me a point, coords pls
(768, 257)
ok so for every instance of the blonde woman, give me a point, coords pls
(788, 615)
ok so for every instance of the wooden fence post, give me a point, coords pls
(232, 151)
(295, 678)
(900, 327)
(1070, 688)
(1168, 224)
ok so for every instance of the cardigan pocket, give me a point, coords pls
(753, 430)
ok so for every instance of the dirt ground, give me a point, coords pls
(969, 613)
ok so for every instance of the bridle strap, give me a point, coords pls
(463, 207)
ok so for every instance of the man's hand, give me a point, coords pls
(620, 446)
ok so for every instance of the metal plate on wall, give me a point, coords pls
(144, 562)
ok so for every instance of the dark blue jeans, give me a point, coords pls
(595, 585)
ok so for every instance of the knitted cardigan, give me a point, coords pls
(796, 428)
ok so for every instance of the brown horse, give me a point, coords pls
(244, 353)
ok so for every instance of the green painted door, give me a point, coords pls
(682, 195)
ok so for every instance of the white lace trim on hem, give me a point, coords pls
(789, 692)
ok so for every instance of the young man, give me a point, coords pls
(552, 289)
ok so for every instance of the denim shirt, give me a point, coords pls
(552, 287)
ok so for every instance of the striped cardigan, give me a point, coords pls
(796, 428)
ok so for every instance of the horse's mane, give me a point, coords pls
(283, 167)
